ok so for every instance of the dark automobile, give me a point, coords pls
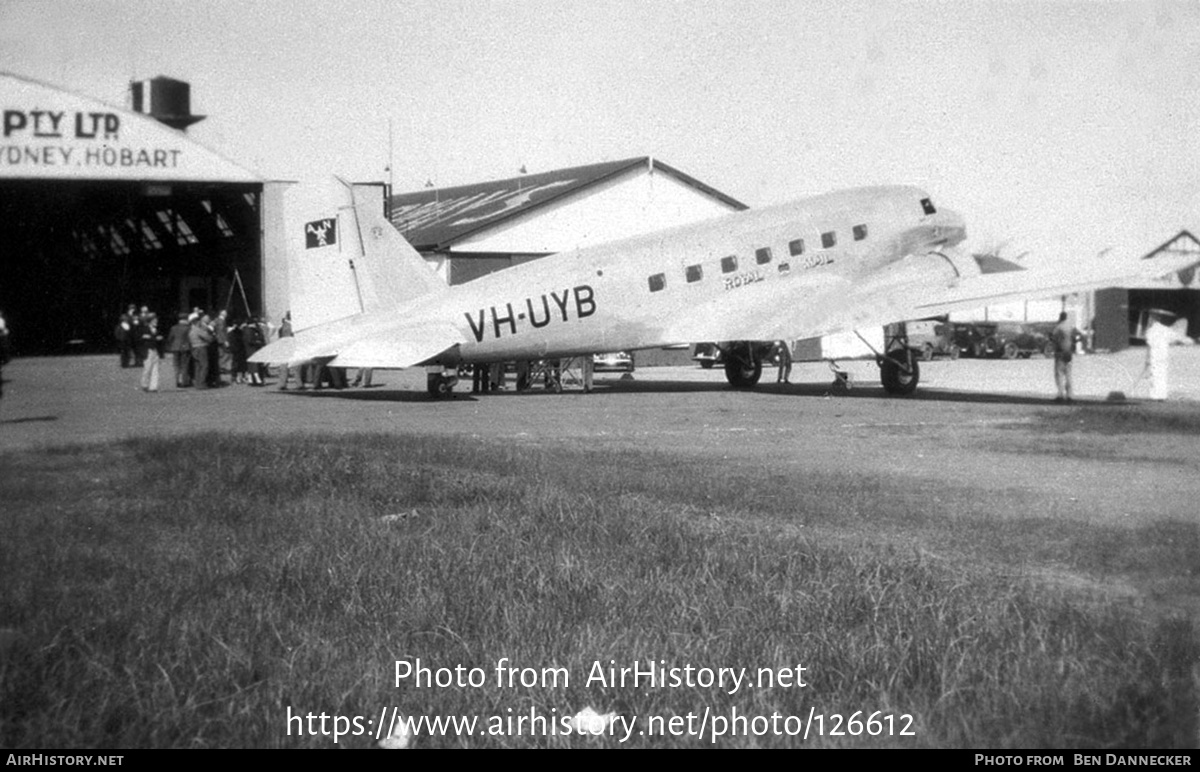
(1010, 340)
(970, 338)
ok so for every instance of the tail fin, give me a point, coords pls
(344, 258)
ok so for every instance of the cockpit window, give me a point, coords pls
(928, 206)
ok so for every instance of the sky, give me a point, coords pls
(1061, 129)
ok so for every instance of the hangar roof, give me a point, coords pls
(436, 218)
(1181, 244)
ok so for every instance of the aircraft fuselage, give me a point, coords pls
(713, 280)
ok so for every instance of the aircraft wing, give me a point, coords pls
(914, 287)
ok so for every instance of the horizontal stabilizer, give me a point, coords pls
(418, 345)
(363, 342)
(282, 350)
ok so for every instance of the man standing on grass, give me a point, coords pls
(1063, 337)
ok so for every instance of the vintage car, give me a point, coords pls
(970, 338)
(707, 354)
(932, 338)
(613, 362)
(1010, 340)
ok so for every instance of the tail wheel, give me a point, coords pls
(439, 386)
(1010, 350)
(742, 368)
(899, 372)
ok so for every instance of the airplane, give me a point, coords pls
(361, 296)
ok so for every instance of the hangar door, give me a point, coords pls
(75, 254)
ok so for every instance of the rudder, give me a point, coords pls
(344, 258)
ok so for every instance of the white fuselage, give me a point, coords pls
(721, 279)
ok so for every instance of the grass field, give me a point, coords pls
(195, 591)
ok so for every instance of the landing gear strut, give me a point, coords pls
(898, 368)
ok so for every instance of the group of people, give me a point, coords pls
(202, 347)
(139, 343)
(206, 349)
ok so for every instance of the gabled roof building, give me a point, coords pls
(471, 230)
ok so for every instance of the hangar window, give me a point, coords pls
(222, 225)
(115, 241)
(828, 239)
(796, 247)
(149, 237)
(694, 273)
(762, 256)
(657, 282)
(928, 206)
(177, 226)
(860, 232)
(729, 264)
(86, 244)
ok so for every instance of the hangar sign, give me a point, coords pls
(47, 133)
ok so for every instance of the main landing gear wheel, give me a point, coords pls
(899, 372)
(742, 368)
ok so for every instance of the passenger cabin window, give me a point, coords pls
(828, 239)
(657, 282)
(729, 264)
(694, 273)
(860, 232)
(796, 247)
(928, 206)
(762, 256)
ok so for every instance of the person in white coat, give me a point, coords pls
(1158, 355)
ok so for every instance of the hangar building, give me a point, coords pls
(1120, 313)
(104, 206)
(472, 230)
